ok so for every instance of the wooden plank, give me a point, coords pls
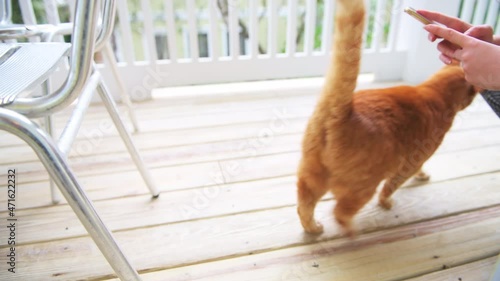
(130, 183)
(104, 127)
(136, 186)
(291, 28)
(94, 133)
(272, 119)
(182, 175)
(496, 272)
(454, 239)
(222, 140)
(93, 144)
(100, 145)
(189, 147)
(170, 107)
(477, 271)
(258, 216)
(438, 200)
(478, 115)
(421, 248)
(229, 101)
(485, 160)
(37, 166)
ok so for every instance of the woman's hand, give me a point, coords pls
(480, 59)
(481, 32)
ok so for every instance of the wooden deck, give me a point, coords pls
(225, 164)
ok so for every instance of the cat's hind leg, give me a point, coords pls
(310, 189)
(421, 176)
(350, 202)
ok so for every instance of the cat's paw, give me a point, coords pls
(347, 228)
(386, 203)
(314, 227)
(421, 176)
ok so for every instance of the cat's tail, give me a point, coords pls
(342, 75)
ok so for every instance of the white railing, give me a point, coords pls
(161, 43)
(270, 50)
(481, 12)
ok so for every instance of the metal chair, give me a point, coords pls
(102, 44)
(5, 12)
(50, 33)
(22, 68)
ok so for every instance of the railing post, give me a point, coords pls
(422, 57)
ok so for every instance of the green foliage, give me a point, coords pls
(319, 25)
(16, 13)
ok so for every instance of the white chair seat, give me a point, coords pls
(26, 65)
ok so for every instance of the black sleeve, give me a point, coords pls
(493, 99)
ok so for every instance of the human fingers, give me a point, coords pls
(449, 34)
(481, 32)
(432, 37)
(448, 49)
(445, 59)
(451, 22)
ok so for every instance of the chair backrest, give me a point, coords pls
(81, 58)
(108, 23)
(5, 11)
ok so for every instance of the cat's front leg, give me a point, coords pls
(393, 183)
(421, 176)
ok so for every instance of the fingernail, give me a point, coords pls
(429, 36)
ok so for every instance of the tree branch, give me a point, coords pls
(224, 9)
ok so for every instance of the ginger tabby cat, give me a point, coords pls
(354, 141)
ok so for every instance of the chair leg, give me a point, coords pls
(49, 128)
(54, 193)
(113, 112)
(56, 165)
(108, 52)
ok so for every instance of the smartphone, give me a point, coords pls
(412, 12)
